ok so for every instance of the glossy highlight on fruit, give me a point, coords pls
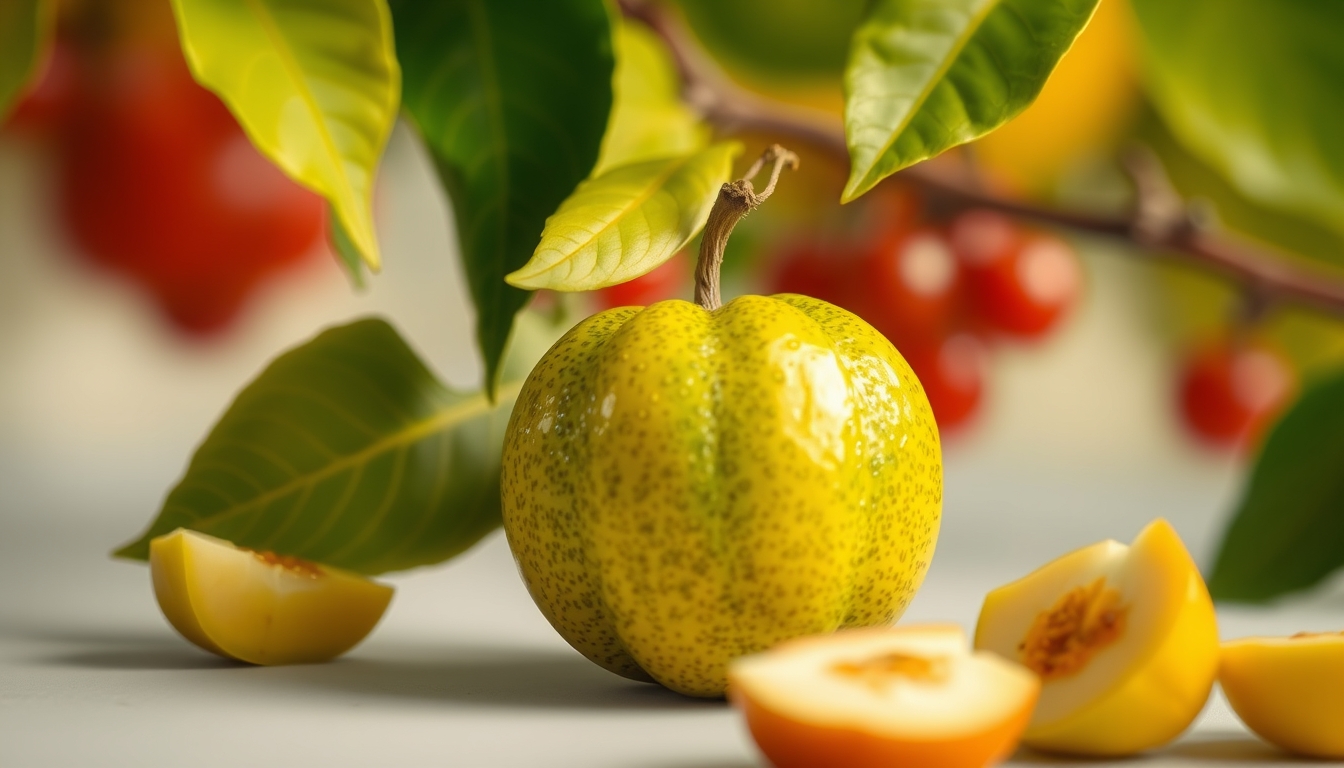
(1124, 639)
(683, 486)
(879, 697)
(1289, 690)
(259, 607)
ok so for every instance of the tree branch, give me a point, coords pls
(1160, 223)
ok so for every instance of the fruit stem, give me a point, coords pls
(736, 200)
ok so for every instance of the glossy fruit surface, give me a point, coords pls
(160, 184)
(1123, 637)
(257, 607)
(879, 697)
(1020, 282)
(913, 283)
(682, 487)
(1289, 690)
(1229, 391)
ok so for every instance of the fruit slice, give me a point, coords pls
(882, 697)
(259, 607)
(1123, 637)
(1289, 690)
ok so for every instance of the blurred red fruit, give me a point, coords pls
(669, 280)
(952, 370)
(1230, 391)
(912, 284)
(1018, 282)
(159, 183)
(812, 269)
(48, 103)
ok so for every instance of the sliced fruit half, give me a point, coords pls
(1289, 690)
(1123, 638)
(259, 607)
(883, 697)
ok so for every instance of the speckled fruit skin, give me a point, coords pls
(682, 487)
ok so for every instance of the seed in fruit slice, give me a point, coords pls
(1123, 638)
(887, 696)
(259, 607)
(1289, 690)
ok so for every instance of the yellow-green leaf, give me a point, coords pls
(622, 224)
(315, 85)
(648, 117)
(25, 35)
(927, 75)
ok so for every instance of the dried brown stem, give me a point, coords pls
(1160, 222)
(736, 200)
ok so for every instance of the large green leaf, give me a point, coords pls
(1289, 532)
(512, 99)
(626, 222)
(1253, 88)
(25, 34)
(348, 451)
(314, 84)
(649, 118)
(927, 75)
(781, 41)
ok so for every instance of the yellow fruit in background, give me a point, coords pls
(1085, 107)
(883, 697)
(258, 607)
(1289, 690)
(1124, 639)
(683, 486)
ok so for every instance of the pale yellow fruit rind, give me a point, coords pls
(1290, 691)
(1166, 683)
(231, 602)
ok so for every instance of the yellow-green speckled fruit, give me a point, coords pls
(682, 487)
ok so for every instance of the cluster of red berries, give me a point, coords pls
(158, 183)
(941, 291)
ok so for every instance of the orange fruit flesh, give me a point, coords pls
(883, 697)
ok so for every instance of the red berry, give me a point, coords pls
(160, 184)
(668, 280)
(812, 269)
(1230, 391)
(1019, 282)
(913, 285)
(952, 371)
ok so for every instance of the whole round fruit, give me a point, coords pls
(1018, 282)
(953, 371)
(683, 486)
(913, 285)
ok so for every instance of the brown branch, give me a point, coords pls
(1160, 222)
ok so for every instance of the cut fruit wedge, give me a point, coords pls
(1289, 690)
(1124, 640)
(259, 607)
(883, 697)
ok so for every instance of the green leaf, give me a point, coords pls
(314, 85)
(1253, 88)
(25, 37)
(778, 40)
(1289, 531)
(512, 99)
(348, 451)
(648, 118)
(927, 75)
(627, 221)
(344, 249)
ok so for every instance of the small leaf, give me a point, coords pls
(927, 75)
(627, 221)
(512, 100)
(314, 85)
(344, 249)
(1253, 88)
(1288, 534)
(649, 118)
(349, 452)
(25, 38)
